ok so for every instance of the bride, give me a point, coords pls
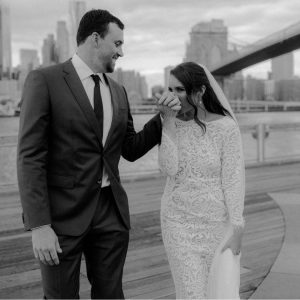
(202, 204)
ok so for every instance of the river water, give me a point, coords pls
(283, 142)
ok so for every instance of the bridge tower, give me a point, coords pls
(208, 43)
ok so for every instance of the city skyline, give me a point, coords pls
(158, 39)
(5, 40)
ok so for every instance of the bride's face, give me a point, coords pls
(176, 87)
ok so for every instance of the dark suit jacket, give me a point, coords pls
(60, 152)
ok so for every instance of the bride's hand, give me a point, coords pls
(234, 243)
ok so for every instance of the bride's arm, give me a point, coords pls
(233, 183)
(233, 175)
(167, 150)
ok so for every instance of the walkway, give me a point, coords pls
(284, 279)
(147, 272)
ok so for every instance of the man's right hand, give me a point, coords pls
(45, 245)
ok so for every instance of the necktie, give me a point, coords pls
(98, 107)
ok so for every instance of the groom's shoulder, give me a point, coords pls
(49, 71)
(53, 69)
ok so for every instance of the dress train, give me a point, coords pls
(224, 276)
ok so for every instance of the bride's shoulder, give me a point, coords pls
(225, 121)
(230, 121)
(227, 125)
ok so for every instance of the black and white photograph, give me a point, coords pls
(149, 149)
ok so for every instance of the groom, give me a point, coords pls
(75, 123)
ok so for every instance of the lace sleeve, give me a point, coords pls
(233, 175)
(167, 151)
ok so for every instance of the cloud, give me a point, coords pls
(157, 31)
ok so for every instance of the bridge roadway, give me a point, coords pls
(281, 42)
(147, 272)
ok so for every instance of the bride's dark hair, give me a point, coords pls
(193, 78)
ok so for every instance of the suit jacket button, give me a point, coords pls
(99, 181)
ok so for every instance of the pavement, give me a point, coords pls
(283, 281)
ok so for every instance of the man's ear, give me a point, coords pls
(95, 38)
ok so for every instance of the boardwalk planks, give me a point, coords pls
(147, 273)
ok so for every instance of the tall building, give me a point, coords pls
(270, 89)
(208, 43)
(49, 56)
(254, 88)
(283, 67)
(5, 40)
(62, 41)
(234, 87)
(76, 10)
(135, 84)
(167, 75)
(287, 90)
(29, 59)
(142, 86)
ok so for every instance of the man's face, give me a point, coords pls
(110, 48)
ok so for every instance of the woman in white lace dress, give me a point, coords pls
(202, 205)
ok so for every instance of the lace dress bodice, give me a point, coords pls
(203, 193)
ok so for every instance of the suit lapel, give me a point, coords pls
(76, 87)
(115, 106)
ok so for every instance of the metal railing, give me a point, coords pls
(258, 106)
(260, 134)
(264, 133)
(237, 106)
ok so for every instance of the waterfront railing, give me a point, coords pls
(263, 144)
(238, 106)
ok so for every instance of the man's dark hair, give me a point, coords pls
(95, 20)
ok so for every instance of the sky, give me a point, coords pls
(157, 31)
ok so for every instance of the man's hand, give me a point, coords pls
(168, 104)
(45, 245)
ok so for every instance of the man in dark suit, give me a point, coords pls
(75, 123)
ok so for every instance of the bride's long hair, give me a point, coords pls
(193, 78)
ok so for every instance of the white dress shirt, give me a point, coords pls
(84, 72)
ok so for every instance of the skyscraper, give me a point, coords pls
(283, 67)
(76, 10)
(62, 43)
(28, 60)
(135, 84)
(5, 40)
(49, 56)
(167, 76)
